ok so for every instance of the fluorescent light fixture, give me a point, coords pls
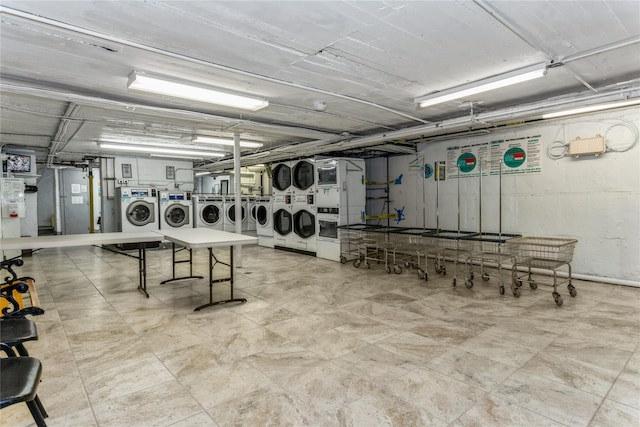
(173, 156)
(496, 82)
(160, 150)
(223, 141)
(202, 173)
(155, 143)
(148, 83)
(591, 108)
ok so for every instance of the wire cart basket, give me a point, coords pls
(491, 248)
(546, 253)
(451, 246)
(351, 237)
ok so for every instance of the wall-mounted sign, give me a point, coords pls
(126, 170)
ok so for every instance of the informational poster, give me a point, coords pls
(517, 155)
(76, 189)
(468, 160)
(77, 200)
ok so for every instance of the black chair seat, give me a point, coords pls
(19, 379)
(13, 332)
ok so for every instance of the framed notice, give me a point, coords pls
(171, 172)
(126, 170)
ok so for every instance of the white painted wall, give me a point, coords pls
(593, 199)
(152, 173)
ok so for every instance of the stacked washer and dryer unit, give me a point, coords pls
(282, 204)
(303, 209)
(294, 207)
(341, 200)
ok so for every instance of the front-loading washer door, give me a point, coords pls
(304, 224)
(177, 215)
(210, 214)
(141, 213)
(231, 213)
(282, 222)
(281, 177)
(302, 175)
(262, 215)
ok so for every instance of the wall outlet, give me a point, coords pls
(123, 181)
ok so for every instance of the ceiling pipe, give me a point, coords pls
(173, 55)
(170, 113)
(524, 112)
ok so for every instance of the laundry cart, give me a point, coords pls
(546, 253)
(416, 245)
(491, 248)
(381, 245)
(352, 237)
(452, 247)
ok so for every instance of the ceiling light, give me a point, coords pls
(223, 141)
(147, 83)
(591, 108)
(161, 150)
(202, 173)
(502, 80)
(174, 156)
(155, 143)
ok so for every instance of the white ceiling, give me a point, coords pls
(65, 65)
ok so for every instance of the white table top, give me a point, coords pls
(206, 237)
(70, 240)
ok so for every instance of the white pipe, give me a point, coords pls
(56, 198)
(173, 55)
(237, 257)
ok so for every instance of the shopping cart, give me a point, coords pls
(546, 253)
(491, 248)
(413, 247)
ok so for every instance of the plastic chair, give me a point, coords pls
(19, 379)
(15, 332)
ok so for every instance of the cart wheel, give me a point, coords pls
(558, 299)
(388, 270)
(485, 277)
(454, 282)
(426, 276)
(420, 274)
(343, 260)
(516, 292)
(533, 285)
(367, 265)
(407, 264)
(356, 263)
(397, 269)
(443, 271)
(572, 290)
(518, 283)
(468, 284)
(414, 265)
(471, 275)
(501, 290)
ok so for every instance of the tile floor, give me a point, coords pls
(324, 344)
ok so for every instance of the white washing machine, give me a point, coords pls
(281, 179)
(251, 213)
(230, 214)
(304, 234)
(136, 209)
(282, 225)
(208, 211)
(264, 221)
(175, 209)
